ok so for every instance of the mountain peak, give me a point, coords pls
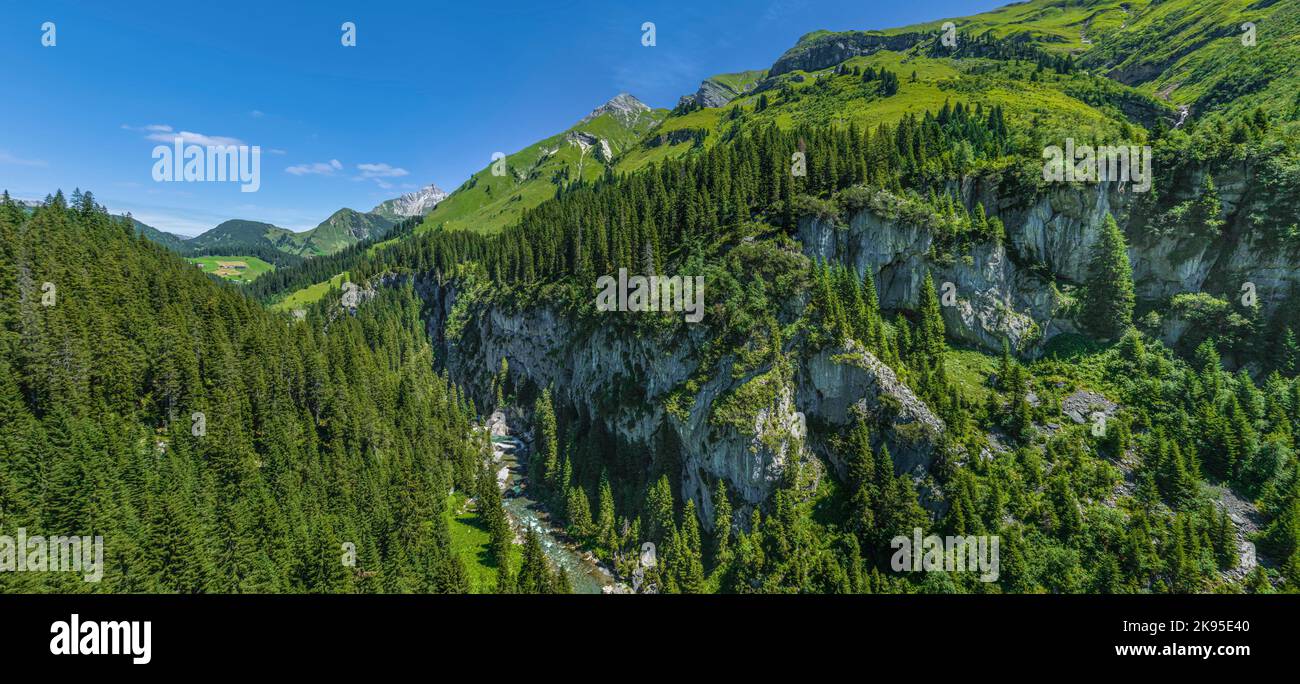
(417, 203)
(622, 106)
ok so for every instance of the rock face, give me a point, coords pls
(416, 203)
(717, 93)
(587, 141)
(606, 373)
(827, 50)
(747, 426)
(1082, 406)
(714, 94)
(838, 382)
(627, 109)
(1002, 290)
(989, 297)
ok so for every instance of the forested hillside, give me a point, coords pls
(907, 327)
(832, 399)
(215, 447)
(1137, 509)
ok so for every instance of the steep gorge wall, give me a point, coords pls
(607, 373)
(1006, 290)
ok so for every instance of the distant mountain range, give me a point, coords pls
(175, 243)
(342, 229)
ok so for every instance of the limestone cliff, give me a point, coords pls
(744, 427)
(747, 425)
(1012, 289)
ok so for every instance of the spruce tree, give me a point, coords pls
(691, 577)
(721, 521)
(659, 512)
(546, 439)
(606, 536)
(1108, 303)
(930, 333)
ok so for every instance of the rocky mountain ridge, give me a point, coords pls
(416, 203)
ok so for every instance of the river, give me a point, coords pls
(526, 513)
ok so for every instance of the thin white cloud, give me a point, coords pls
(381, 171)
(191, 138)
(316, 169)
(165, 133)
(6, 158)
(151, 128)
(257, 114)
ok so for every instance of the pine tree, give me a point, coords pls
(721, 521)
(659, 512)
(1282, 536)
(691, 577)
(534, 573)
(606, 537)
(863, 479)
(579, 512)
(546, 438)
(1108, 304)
(1204, 216)
(502, 377)
(1288, 357)
(493, 515)
(930, 333)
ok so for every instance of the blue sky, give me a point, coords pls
(429, 92)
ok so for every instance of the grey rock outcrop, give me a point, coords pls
(838, 383)
(605, 373)
(714, 92)
(828, 49)
(989, 297)
(1003, 290)
(416, 203)
(624, 107)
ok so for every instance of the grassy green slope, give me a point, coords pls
(1055, 25)
(1046, 104)
(1189, 51)
(1088, 103)
(310, 294)
(240, 232)
(344, 228)
(1113, 86)
(472, 544)
(488, 203)
(738, 82)
(256, 267)
(1193, 53)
